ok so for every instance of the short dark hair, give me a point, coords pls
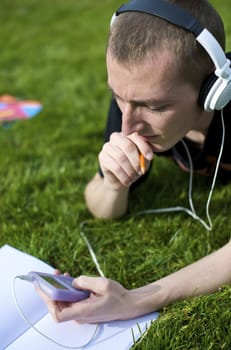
(134, 35)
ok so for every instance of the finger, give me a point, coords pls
(57, 272)
(143, 146)
(121, 159)
(55, 308)
(127, 147)
(97, 285)
(117, 165)
(133, 146)
(44, 296)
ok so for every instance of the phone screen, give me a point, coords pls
(54, 282)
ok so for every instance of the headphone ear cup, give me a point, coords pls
(113, 19)
(205, 89)
(215, 92)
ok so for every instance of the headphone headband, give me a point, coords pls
(178, 16)
(168, 11)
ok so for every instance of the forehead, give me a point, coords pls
(156, 75)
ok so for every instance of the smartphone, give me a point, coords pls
(57, 287)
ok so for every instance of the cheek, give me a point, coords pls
(175, 130)
(162, 124)
(171, 128)
(175, 121)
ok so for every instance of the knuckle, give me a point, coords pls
(56, 315)
(106, 285)
(103, 150)
(122, 158)
(130, 147)
(117, 169)
(81, 279)
(114, 136)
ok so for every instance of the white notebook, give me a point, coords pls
(17, 334)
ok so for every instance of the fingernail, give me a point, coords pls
(149, 156)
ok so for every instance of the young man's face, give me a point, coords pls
(154, 101)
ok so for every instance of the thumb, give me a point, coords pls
(94, 284)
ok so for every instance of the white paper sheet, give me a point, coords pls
(12, 263)
(112, 335)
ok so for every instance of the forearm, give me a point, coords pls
(111, 301)
(105, 202)
(202, 277)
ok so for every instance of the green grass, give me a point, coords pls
(54, 52)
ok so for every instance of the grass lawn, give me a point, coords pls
(53, 51)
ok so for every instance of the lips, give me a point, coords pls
(150, 139)
(153, 142)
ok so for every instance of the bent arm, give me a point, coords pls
(104, 201)
(107, 196)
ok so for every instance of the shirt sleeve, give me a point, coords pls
(113, 124)
(114, 120)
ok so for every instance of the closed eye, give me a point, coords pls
(156, 109)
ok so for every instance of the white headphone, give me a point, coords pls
(215, 92)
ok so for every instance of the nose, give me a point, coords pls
(131, 121)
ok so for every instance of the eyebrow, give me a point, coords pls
(148, 101)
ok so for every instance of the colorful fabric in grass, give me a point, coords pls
(12, 109)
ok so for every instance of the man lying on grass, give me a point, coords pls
(170, 81)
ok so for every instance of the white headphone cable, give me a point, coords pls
(41, 333)
(90, 249)
(192, 211)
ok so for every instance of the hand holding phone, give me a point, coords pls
(57, 287)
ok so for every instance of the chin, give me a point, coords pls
(159, 148)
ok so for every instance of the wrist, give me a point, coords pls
(104, 202)
(149, 298)
(115, 186)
